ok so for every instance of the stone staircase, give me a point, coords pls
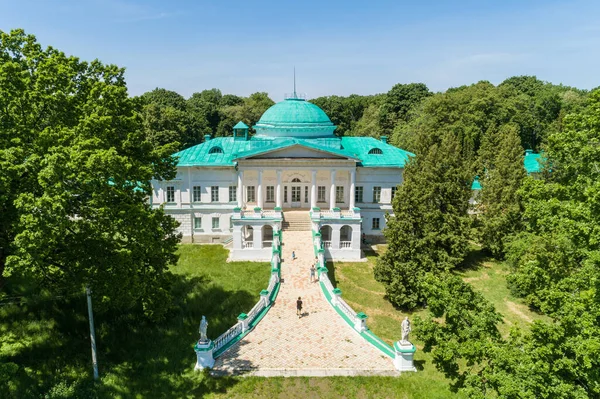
(296, 221)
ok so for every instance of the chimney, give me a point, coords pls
(384, 139)
(207, 137)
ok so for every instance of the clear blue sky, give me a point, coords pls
(338, 47)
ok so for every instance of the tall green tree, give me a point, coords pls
(76, 170)
(398, 102)
(502, 173)
(429, 229)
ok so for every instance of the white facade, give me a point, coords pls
(220, 204)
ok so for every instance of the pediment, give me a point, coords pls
(298, 151)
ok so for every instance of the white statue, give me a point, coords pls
(203, 328)
(405, 330)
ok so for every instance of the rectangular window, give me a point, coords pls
(198, 223)
(270, 193)
(215, 223)
(232, 193)
(285, 194)
(394, 189)
(214, 194)
(358, 194)
(339, 194)
(321, 194)
(197, 194)
(306, 194)
(250, 194)
(376, 194)
(170, 193)
(375, 224)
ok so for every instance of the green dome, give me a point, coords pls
(295, 118)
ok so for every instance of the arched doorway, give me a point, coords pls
(326, 236)
(267, 236)
(248, 236)
(346, 237)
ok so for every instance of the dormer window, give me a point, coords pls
(215, 150)
(375, 151)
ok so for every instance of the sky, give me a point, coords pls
(337, 47)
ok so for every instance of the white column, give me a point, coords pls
(189, 187)
(352, 188)
(240, 189)
(332, 191)
(278, 194)
(259, 197)
(257, 237)
(313, 190)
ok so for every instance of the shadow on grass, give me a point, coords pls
(331, 273)
(49, 341)
(474, 260)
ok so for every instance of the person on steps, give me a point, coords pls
(293, 255)
(312, 273)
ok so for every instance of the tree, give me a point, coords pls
(76, 177)
(167, 120)
(398, 102)
(429, 229)
(501, 160)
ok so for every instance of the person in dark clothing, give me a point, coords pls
(299, 307)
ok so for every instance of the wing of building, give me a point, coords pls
(293, 172)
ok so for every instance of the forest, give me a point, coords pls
(77, 153)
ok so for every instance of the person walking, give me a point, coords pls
(299, 307)
(312, 273)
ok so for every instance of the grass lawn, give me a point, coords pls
(48, 338)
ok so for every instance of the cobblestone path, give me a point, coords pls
(318, 343)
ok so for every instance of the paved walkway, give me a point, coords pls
(319, 343)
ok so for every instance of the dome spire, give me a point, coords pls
(295, 96)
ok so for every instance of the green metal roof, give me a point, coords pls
(241, 125)
(532, 162)
(295, 117)
(356, 148)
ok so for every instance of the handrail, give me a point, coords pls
(228, 336)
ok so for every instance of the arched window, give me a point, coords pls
(325, 233)
(267, 233)
(375, 151)
(346, 233)
(215, 150)
(296, 180)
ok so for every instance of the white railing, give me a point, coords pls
(345, 244)
(271, 214)
(326, 244)
(248, 244)
(327, 284)
(267, 244)
(326, 214)
(228, 336)
(260, 305)
(348, 214)
(272, 283)
(348, 311)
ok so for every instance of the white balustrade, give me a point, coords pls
(345, 244)
(228, 336)
(326, 244)
(272, 283)
(255, 311)
(346, 309)
(248, 244)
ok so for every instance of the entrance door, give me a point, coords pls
(296, 196)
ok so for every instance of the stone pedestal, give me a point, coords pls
(405, 352)
(204, 354)
(360, 324)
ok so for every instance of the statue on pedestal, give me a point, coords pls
(406, 329)
(203, 328)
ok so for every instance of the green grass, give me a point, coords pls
(48, 337)
(488, 276)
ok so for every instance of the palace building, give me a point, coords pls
(294, 173)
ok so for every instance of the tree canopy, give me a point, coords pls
(76, 170)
